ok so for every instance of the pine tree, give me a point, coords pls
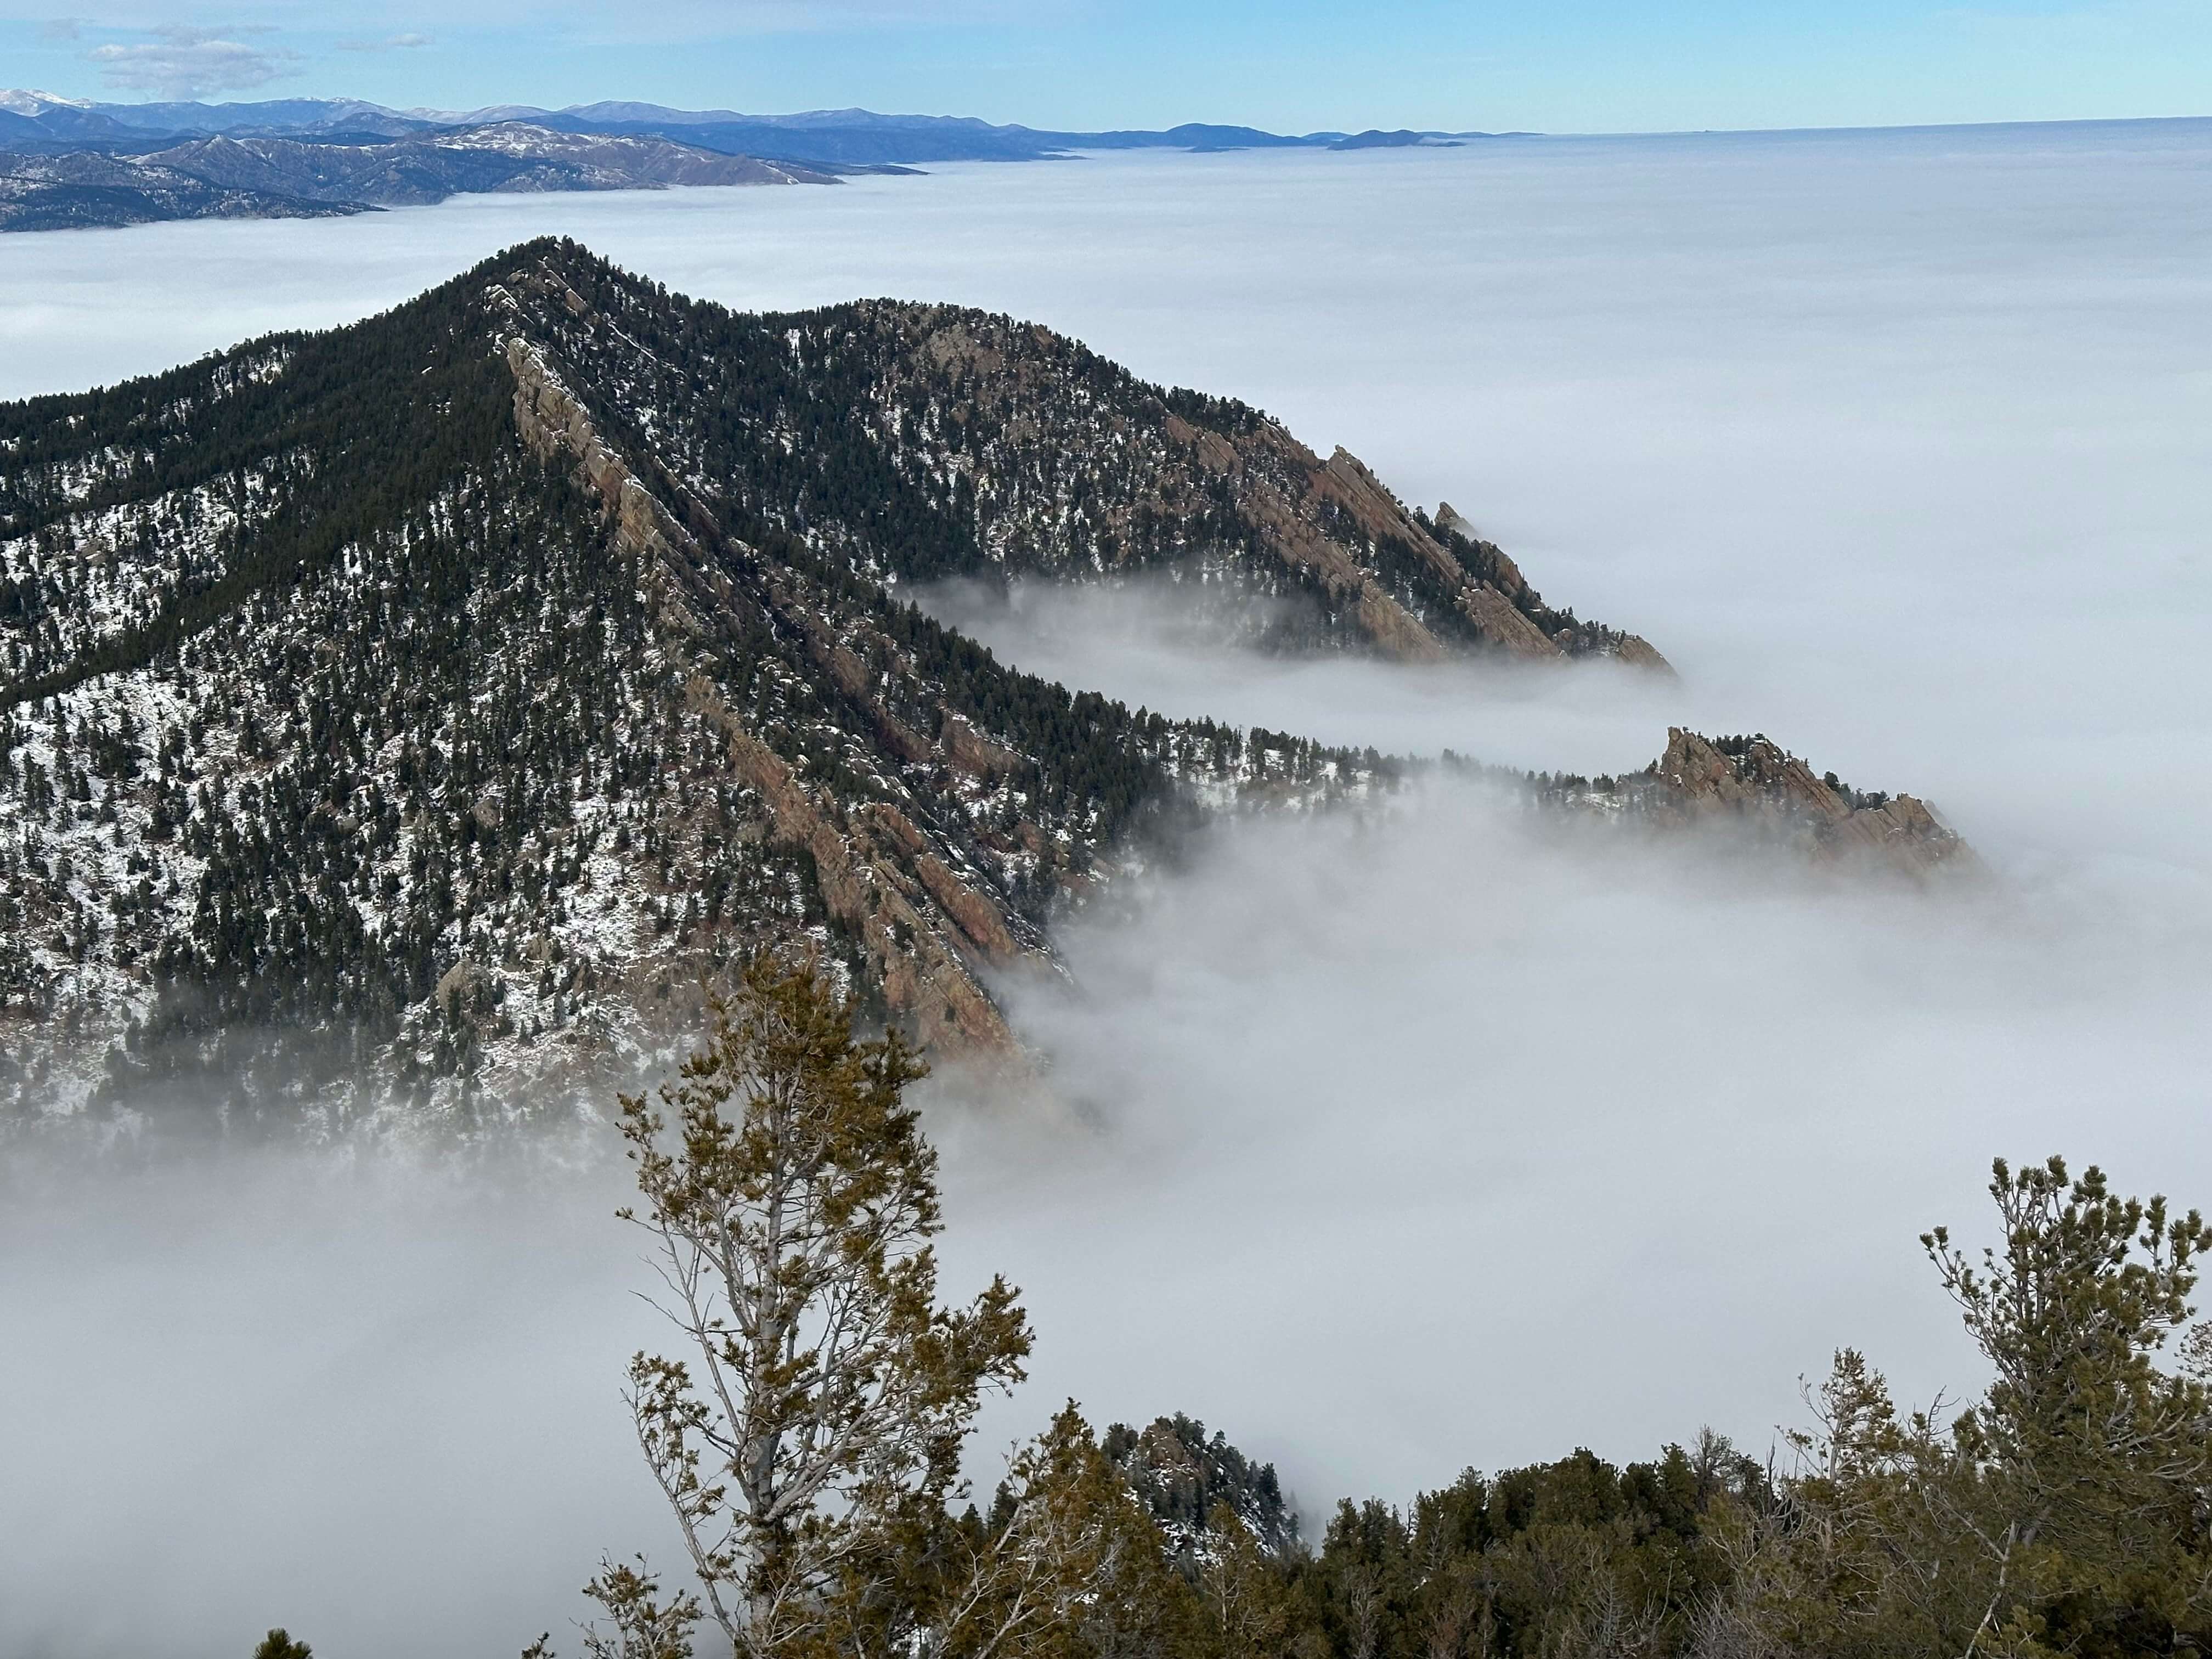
(823, 1395)
(2060, 1513)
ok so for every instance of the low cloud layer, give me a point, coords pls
(1441, 1140)
(374, 1404)
(1142, 641)
(1388, 1144)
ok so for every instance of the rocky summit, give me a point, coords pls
(408, 719)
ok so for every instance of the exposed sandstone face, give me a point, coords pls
(972, 751)
(975, 915)
(1509, 590)
(1491, 604)
(1500, 623)
(1639, 652)
(1394, 630)
(1346, 481)
(1506, 574)
(1070, 468)
(875, 870)
(1450, 518)
(1768, 787)
(1263, 509)
(1296, 520)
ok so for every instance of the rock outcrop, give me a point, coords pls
(1755, 781)
(872, 882)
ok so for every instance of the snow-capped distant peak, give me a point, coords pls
(24, 101)
(479, 117)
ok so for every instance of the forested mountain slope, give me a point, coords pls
(86, 190)
(408, 714)
(280, 178)
(925, 441)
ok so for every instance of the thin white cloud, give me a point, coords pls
(580, 17)
(188, 61)
(390, 42)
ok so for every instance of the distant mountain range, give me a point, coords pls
(837, 136)
(67, 163)
(263, 177)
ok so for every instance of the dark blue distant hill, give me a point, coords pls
(852, 139)
(834, 140)
(1400, 139)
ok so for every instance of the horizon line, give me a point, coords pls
(457, 117)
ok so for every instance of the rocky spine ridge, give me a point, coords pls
(867, 866)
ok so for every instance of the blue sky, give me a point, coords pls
(1553, 65)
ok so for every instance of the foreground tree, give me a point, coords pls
(2096, 1443)
(809, 1434)
(2065, 1511)
(1068, 1566)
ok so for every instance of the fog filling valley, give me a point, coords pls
(1391, 1143)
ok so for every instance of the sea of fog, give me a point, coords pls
(1389, 1146)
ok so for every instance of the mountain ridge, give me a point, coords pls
(404, 719)
(38, 131)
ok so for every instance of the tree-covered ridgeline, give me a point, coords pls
(921, 442)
